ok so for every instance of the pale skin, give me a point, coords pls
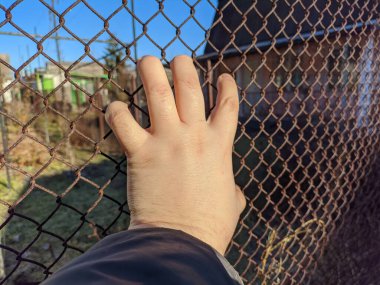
(180, 169)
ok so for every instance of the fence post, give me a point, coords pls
(4, 137)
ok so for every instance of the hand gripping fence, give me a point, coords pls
(306, 152)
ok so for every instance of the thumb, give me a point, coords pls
(128, 132)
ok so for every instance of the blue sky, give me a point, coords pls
(32, 15)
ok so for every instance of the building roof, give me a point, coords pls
(86, 70)
(291, 20)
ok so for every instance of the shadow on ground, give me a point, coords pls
(44, 231)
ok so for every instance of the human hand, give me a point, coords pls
(179, 171)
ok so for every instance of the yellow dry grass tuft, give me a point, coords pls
(272, 271)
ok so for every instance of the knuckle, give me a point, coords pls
(163, 91)
(166, 106)
(114, 111)
(117, 115)
(190, 83)
(230, 103)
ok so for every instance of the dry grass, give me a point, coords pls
(272, 267)
(37, 199)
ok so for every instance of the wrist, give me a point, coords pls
(217, 242)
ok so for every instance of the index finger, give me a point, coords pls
(161, 104)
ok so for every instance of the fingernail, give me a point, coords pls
(141, 58)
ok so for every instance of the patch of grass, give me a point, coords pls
(60, 227)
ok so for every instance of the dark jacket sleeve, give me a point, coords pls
(148, 256)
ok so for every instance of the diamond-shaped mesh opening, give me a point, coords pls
(305, 152)
(154, 31)
(55, 223)
(87, 29)
(38, 204)
(35, 15)
(118, 31)
(114, 209)
(189, 28)
(28, 161)
(23, 272)
(17, 238)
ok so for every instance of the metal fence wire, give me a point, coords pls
(306, 152)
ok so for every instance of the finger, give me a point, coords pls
(224, 117)
(241, 199)
(161, 104)
(128, 132)
(188, 92)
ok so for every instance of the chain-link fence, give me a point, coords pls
(306, 150)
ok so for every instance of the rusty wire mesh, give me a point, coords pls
(306, 150)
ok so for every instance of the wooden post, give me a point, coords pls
(100, 116)
(4, 136)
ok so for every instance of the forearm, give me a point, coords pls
(148, 256)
